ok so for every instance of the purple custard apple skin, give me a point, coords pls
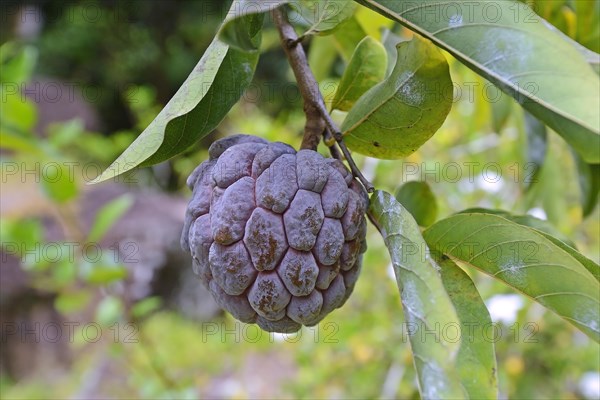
(276, 235)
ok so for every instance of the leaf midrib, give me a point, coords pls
(462, 220)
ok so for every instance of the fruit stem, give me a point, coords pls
(307, 84)
(318, 120)
(355, 170)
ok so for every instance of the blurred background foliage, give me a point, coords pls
(123, 61)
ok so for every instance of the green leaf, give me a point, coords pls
(588, 23)
(427, 306)
(213, 87)
(18, 112)
(64, 272)
(245, 33)
(476, 363)
(390, 40)
(374, 24)
(144, 307)
(419, 201)
(366, 68)
(526, 220)
(537, 145)
(109, 310)
(501, 111)
(515, 50)
(592, 58)
(323, 17)
(72, 302)
(101, 269)
(583, 260)
(21, 234)
(62, 134)
(347, 36)
(524, 259)
(589, 184)
(108, 215)
(58, 181)
(103, 274)
(394, 118)
(320, 56)
(17, 62)
(11, 140)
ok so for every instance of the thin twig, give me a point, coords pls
(368, 185)
(337, 137)
(307, 84)
(318, 120)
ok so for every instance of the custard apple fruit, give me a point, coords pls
(276, 235)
